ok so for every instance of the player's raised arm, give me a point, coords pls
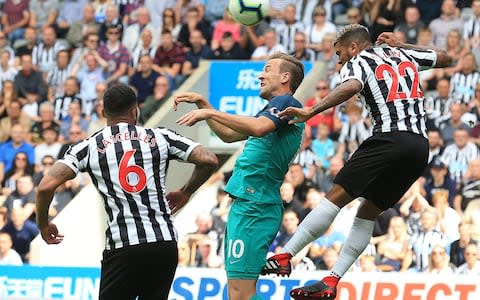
(443, 59)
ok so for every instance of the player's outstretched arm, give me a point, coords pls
(58, 174)
(443, 59)
(340, 94)
(206, 163)
(225, 133)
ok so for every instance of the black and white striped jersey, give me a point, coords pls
(471, 28)
(354, 133)
(45, 58)
(128, 166)
(391, 86)
(56, 79)
(438, 109)
(462, 86)
(457, 159)
(61, 105)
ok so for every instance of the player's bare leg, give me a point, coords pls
(242, 289)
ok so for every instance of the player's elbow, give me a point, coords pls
(443, 60)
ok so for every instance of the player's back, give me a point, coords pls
(128, 166)
(392, 90)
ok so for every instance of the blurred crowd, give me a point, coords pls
(58, 57)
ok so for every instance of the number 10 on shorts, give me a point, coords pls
(235, 248)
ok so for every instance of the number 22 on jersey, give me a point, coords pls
(393, 92)
(124, 171)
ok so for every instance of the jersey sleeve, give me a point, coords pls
(425, 59)
(179, 147)
(76, 157)
(353, 70)
(276, 105)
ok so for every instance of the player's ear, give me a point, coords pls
(285, 77)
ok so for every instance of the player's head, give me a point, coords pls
(120, 101)
(350, 41)
(282, 74)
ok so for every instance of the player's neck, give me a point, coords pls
(113, 122)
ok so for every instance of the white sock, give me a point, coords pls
(356, 242)
(313, 226)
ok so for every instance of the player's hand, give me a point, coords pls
(388, 38)
(50, 234)
(193, 117)
(176, 200)
(300, 114)
(187, 97)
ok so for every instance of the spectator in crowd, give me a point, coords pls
(470, 187)
(438, 179)
(61, 104)
(327, 54)
(458, 155)
(448, 218)
(447, 21)
(354, 16)
(472, 263)
(384, 15)
(435, 145)
(463, 82)
(99, 8)
(289, 226)
(183, 254)
(439, 262)
(112, 19)
(15, 18)
(336, 164)
(80, 28)
(449, 126)
(144, 79)
(8, 255)
(75, 135)
(30, 40)
(289, 202)
(94, 72)
(23, 231)
(21, 167)
(22, 197)
(227, 24)
(204, 222)
(411, 25)
(271, 46)
(3, 217)
(300, 50)
(44, 54)
(194, 22)
(7, 96)
(58, 74)
(367, 264)
(169, 22)
(69, 13)
(17, 143)
(323, 147)
(437, 106)
(329, 259)
(307, 160)
(74, 118)
(198, 50)
(422, 243)
(29, 83)
(457, 248)
(49, 146)
(116, 54)
(169, 59)
(98, 120)
(329, 240)
(475, 104)
(207, 257)
(7, 70)
(43, 13)
(287, 29)
(14, 116)
(214, 10)
(393, 248)
(44, 167)
(229, 49)
(64, 194)
(47, 121)
(131, 36)
(471, 36)
(311, 200)
(354, 132)
(146, 47)
(182, 8)
(471, 217)
(326, 117)
(456, 50)
(318, 29)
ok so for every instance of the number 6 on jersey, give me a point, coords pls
(124, 170)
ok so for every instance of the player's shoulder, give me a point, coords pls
(287, 100)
